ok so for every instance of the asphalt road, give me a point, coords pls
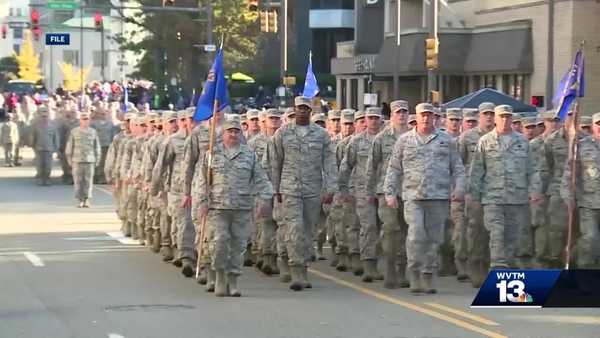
(67, 272)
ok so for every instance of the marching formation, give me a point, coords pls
(402, 199)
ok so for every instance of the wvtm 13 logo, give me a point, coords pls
(516, 288)
(511, 287)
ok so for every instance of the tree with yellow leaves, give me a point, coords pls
(72, 76)
(28, 61)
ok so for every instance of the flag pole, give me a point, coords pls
(211, 143)
(572, 156)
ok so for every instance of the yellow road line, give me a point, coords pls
(464, 314)
(410, 306)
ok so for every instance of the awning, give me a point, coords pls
(474, 99)
(241, 77)
(503, 51)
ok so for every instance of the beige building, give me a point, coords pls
(520, 47)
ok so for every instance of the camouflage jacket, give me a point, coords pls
(354, 164)
(536, 146)
(587, 174)
(9, 133)
(302, 165)
(105, 130)
(150, 156)
(137, 157)
(503, 176)
(424, 170)
(170, 163)
(45, 138)
(126, 156)
(556, 149)
(111, 156)
(259, 144)
(379, 157)
(64, 127)
(235, 177)
(467, 145)
(83, 146)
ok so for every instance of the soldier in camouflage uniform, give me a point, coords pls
(425, 170)
(355, 164)
(556, 150)
(319, 230)
(455, 224)
(341, 212)
(112, 168)
(301, 164)
(45, 140)
(333, 128)
(83, 154)
(170, 163)
(394, 226)
(538, 211)
(105, 130)
(9, 136)
(477, 235)
(266, 243)
(252, 119)
(65, 124)
(586, 199)
(470, 119)
(130, 191)
(503, 178)
(236, 174)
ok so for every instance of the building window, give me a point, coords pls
(344, 93)
(10, 12)
(19, 12)
(354, 93)
(17, 33)
(71, 57)
(98, 58)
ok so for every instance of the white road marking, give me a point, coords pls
(117, 235)
(83, 251)
(94, 238)
(115, 335)
(33, 258)
(104, 190)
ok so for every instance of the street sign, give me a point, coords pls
(58, 39)
(18, 24)
(210, 48)
(62, 5)
(122, 63)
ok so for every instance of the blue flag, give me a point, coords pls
(570, 87)
(311, 87)
(215, 88)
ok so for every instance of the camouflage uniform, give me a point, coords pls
(83, 153)
(65, 125)
(111, 172)
(236, 174)
(9, 136)
(157, 204)
(45, 141)
(105, 130)
(556, 151)
(503, 174)
(587, 195)
(169, 163)
(125, 159)
(423, 170)
(394, 226)
(344, 212)
(538, 211)
(138, 202)
(301, 163)
(477, 242)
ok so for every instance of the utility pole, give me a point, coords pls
(432, 26)
(283, 19)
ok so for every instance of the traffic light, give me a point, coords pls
(537, 101)
(431, 53)
(272, 22)
(98, 21)
(4, 31)
(253, 5)
(264, 21)
(178, 35)
(35, 22)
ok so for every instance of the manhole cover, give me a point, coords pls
(149, 307)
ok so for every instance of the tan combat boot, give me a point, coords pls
(391, 274)
(415, 281)
(210, 280)
(155, 241)
(428, 284)
(305, 283)
(232, 282)
(221, 283)
(370, 270)
(188, 267)
(268, 264)
(342, 262)
(284, 270)
(357, 268)
(297, 280)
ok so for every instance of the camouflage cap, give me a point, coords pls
(181, 114)
(359, 114)
(585, 121)
(318, 118)
(129, 116)
(152, 116)
(139, 120)
(273, 112)
(289, 113)
(425, 107)
(517, 117)
(302, 101)
(549, 115)
(437, 111)
(470, 114)
(454, 113)
(373, 111)
(170, 115)
(84, 115)
(232, 124)
(529, 121)
(262, 115)
(334, 115)
(412, 118)
(486, 107)
(539, 120)
(398, 105)
(252, 114)
(347, 116)
(503, 109)
(596, 118)
(243, 118)
(231, 117)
